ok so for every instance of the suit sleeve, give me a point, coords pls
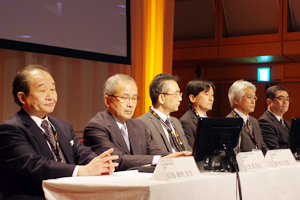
(269, 134)
(99, 138)
(18, 154)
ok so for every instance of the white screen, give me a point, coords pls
(97, 26)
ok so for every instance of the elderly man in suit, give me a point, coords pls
(242, 100)
(35, 147)
(275, 129)
(114, 127)
(200, 95)
(166, 132)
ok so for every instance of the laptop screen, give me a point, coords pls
(294, 139)
(213, 134)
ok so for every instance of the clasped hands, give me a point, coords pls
(101, 165)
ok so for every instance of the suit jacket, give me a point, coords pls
(189, 124)
(158, 135)
(275, 136)
(102, 133)
(245, 142)
(26, 159)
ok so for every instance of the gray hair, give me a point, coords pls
(237, 90)
(111, 83)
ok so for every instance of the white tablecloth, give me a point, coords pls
(139, 186)
(270, 184)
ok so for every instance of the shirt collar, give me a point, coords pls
(160, 114)
(120, 125)
(200, 114)
(242, 115)
(277, 117)
(39, 121)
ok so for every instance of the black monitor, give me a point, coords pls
(294, 139)
(214, 135)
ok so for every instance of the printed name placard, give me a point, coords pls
(172, 169)
(251, 161)
(280, 158)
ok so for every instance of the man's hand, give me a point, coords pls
(178, 154)
(101, 165)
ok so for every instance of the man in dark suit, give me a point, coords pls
(200, 95)
(275, 129)
(242, 100)
(166, 132)
(114, 127)
(29, 153)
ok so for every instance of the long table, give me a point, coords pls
(270, 184)
(136, 186)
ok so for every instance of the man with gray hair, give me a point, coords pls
(275, 129)
(242, 100)
(115, 128)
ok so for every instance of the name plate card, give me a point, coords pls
(280, 158)
(251, 161)
(172, 169)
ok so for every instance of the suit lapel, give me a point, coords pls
(278, 124)
(111, 122)
(244, 129)
(193, 116)
(160, 129)
(64, 142)
(36, 133)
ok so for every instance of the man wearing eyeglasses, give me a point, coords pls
(242, 100)
(275, 129)
(166, 132)
(114, 127)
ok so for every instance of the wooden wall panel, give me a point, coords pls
(260, 106)
(291, 47)
(195, 53)
(230, 73)
(248, 50)
(277, 72)
(185, 75)
(292, 71)
(194, 43)
(221, 103)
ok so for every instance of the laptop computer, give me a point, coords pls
(215, 141)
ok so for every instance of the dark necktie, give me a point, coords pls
(51, 139)
(174, 143)
(249, 126)
(283, 124)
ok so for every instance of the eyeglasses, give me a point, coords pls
(251, 97)
(282, 98)
(125, 99)
(177, 95)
